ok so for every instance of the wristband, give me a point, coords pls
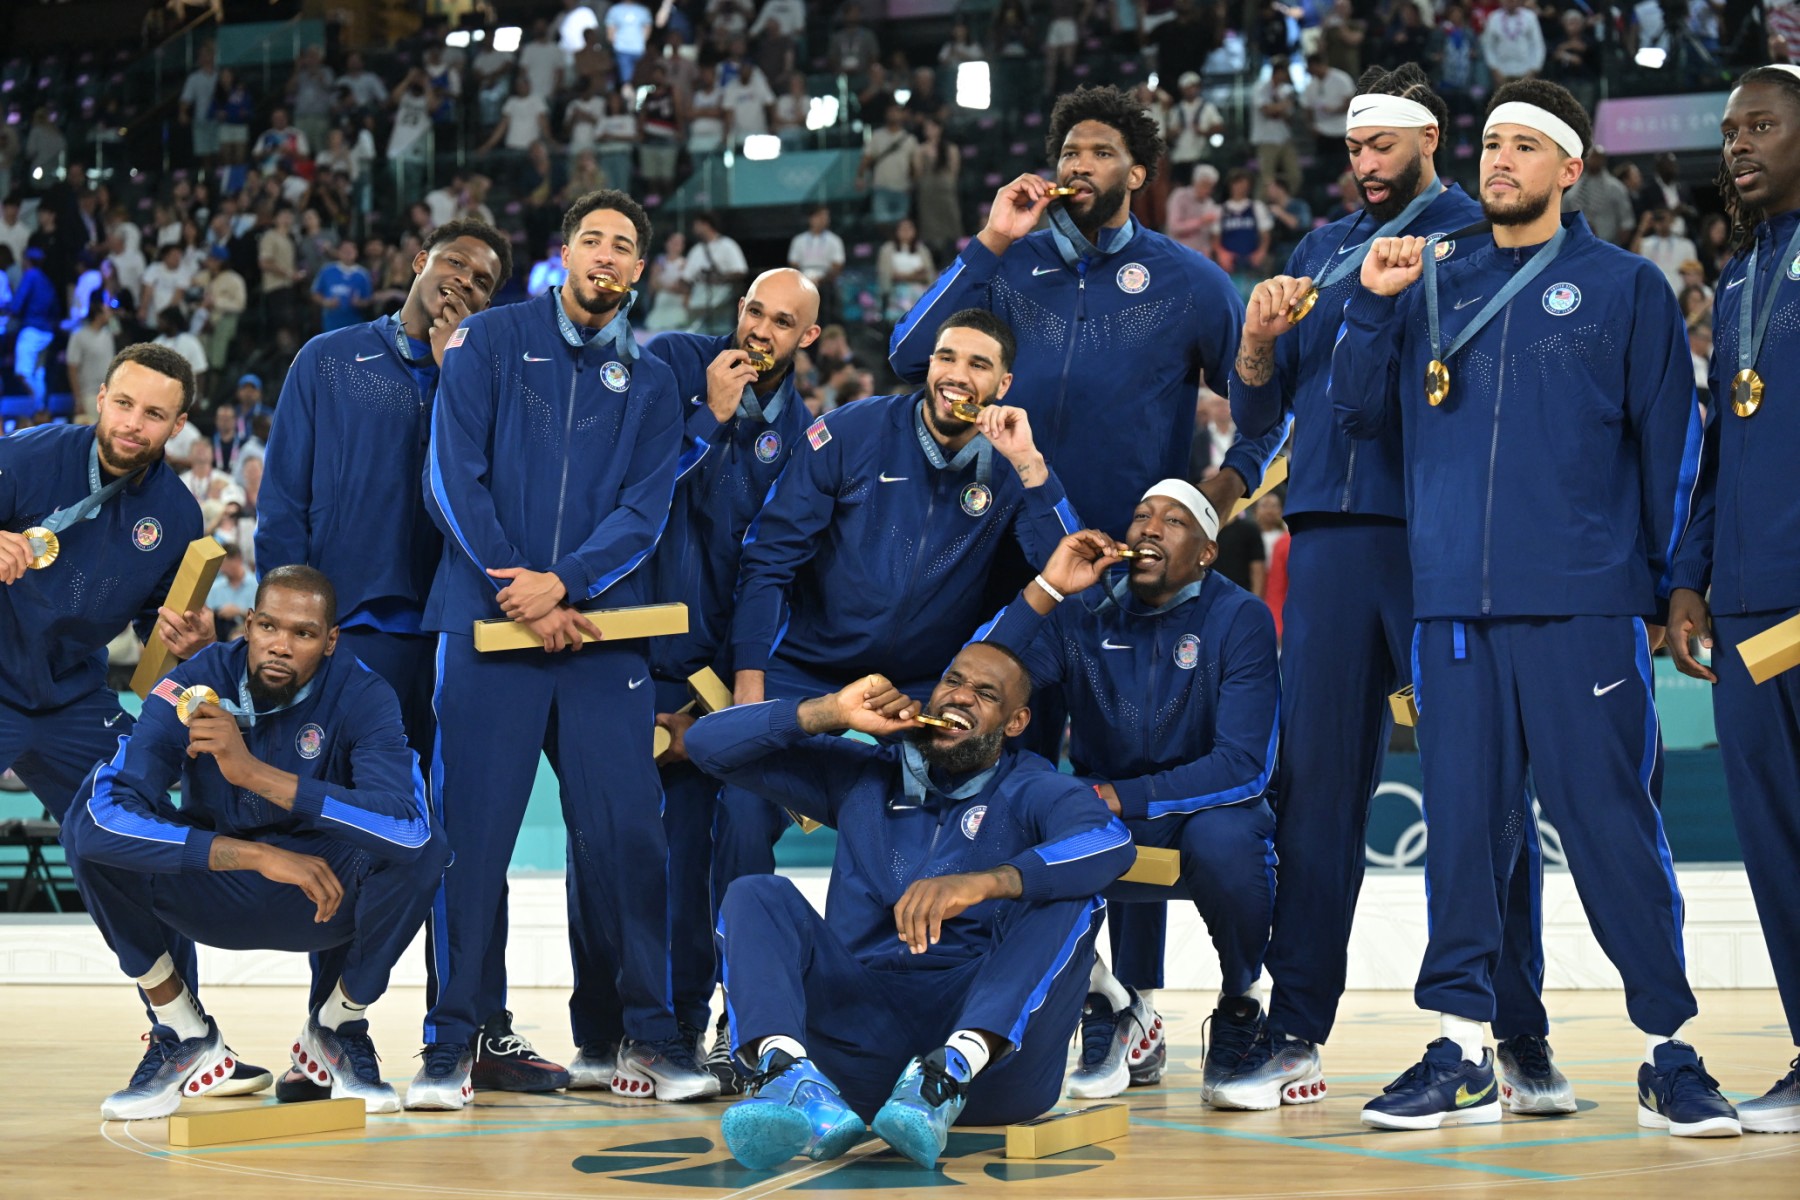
(1048, 590)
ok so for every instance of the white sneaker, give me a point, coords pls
(442, 1083)
(1118, 1049)
(593, 1068)
(170, 1069)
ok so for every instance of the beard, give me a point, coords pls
(118, 462)
(1103, 208)
(974, 753)
(598, 302)
(1521, 210)
(953, 427)
(1401, 190)
(266, 695)
(782, 363)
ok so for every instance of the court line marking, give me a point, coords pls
(1415, 1158)
(484, 1130)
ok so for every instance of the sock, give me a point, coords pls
(182, 1014)
(1652, 1041)
(158, 973)
(1148, 996)
(337, 1009)
(1465, 1033)
(787, 1044)
(973, 1048)
(1101, 980)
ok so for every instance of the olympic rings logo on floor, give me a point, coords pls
(1397, 831)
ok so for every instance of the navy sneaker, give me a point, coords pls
(792, 1109)
(1441, 1089)
(721, 1064)
(1234, 1026)
(1118, 1049)
(1776, 1110)
(925, 1102)
(1678, 1095)
(344, 1060)
(1529, 1080)
(442, 1083)
(295, 1088)
(170, 1069)
(1275, 1070)
(505, 1062)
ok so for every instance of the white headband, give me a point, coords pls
(1388, 112)
(1791, 70)
(1516, 112)
(1189, 497)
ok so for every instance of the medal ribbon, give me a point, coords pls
(1353, 260)
(89, 506)
(245, 708)
(916, 781)
(979, 451)
(1749, 341)
(1539, 261)
(1073, 245)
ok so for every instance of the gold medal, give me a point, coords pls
(968, 410)
(1062, 192)
(936, 722)
(1303, 305)
(1128, 552)
(45, 546)
(1437, 383)
(616, 287)
(192, 698)
(1746, 392)
(762, 360)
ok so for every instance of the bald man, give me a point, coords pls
(743, 417)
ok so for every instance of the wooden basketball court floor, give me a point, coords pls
(65, 1047)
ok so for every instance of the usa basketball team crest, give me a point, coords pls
(1187, 652)
(971, 821)
(147, 534)
(1793, 270)
(976, 498)
(615, 376)
(1561, 299)
(1133, 278)
(309, 741)
(768, 446)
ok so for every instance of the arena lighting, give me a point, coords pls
(821, 112)
(506, 38)
(972, 85)
(1652, 57)
(761, 147)
(902, 96)
(457, 37)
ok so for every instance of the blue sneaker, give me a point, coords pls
(925, 1102)
(445, 1080)
(344, 1060)
(792, 1109)
(170, 1069)
(1236, 1025)
(1529, 1080)
(1678, 1095)
(1443, 1088)
(1776, 1110)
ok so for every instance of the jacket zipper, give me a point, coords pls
(1062, 393)
(913, 575)
(562, 493)
(1349, 477)
(1487, 521)
(1150, 684)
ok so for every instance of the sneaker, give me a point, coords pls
(1275, 1070)
(295, 1088)
(1118, 1049)
(244, 1079)
(505, 1062)
(593, 1067)
(663, 1070)
(170, 1069)
(721, 1063)
(344, 1059)
(1776, 1110)
(1529, 1081)
(925, 1102)
(443, 1082)
(792, 1109)
(1234, 1026)
(1678, 1095)
(1441, 1089)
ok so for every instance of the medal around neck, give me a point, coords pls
(190, 700)
(1746, 392)
(45, 546)
(1303, 305)
(1437, 382)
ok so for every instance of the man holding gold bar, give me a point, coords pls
(743, 420)
(550, 470)
(1347, 620)
(1169, 673)
(1545, 388)
(1747, 525)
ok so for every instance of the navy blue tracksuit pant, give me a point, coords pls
(690, 800)
(1759, 741)
(1346, 628)
(591, 712)
(1571, 701)
(787, 973)
(408, 661)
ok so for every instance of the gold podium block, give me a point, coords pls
(710, 696)
(614, 624)
(1273, 478)
(1161, 867)
(193, 579)
(1057, 1132)
(659, 742)
(1774, 650)
(1403, 706)
(216, 1127)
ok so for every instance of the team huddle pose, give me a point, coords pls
(954, 574)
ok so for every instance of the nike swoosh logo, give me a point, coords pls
(366, 357)
(1109, 644)
(884, 477)
(1036, 271)
(1601, 691)
(528, 358)
(1359, 112)
(1348, 249)
(112, 720)
(635, 684)
(1462, 304)
(1464, 1097)
(1734, 283)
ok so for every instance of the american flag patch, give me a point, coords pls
(168, 690)
(458, 338)
(817, 434)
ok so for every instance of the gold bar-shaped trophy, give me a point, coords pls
(614, 624)
(1273, 478)
(193, 579)
(710, 696)
(1774, 650)
(1060, 1132)
(1154, 865)
(1404, 707)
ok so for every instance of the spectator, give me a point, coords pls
(1193, 121)
(887, 168)
(227, 438)
(747, 95)
(204, 482)
(232, 108)
(852, 45)
(818, 253)
(574, 25)
(1693, 275)
(1275, 547)
(1574, 61)
(582, 115)
(1272, 128)
(961, 48)
(1714, 245)
(1665, 190)
(314, 245)
(875, 98)
(1456, 56)
(1696, 305)
(669, 287)
(226, 298)
(1293, 219)
(10, 150)
(125, 261)
(792, 108)
(233, 594)
(310, 93)
(172, 331)
(343, 289)
(937, 162)
(15, 234)
(1193, 213)
(1183, 44)
(1657, 241)
(413, 102)
(780, 18)
(1009, 36)
(281, 144)
(368, 91)
(905, 271)
(164, 281)
(250, 458)
(178, 452)
(628, 25)
(541, 61)
(252, 408)
(1512, 43)
(493, 69)
(716, 271)
(1241, 557)
(1408, 38)
(444, 200)
(1245, 230)
(1327, 98)
(195, 107)
(1602, 199)
(706, 113)
(1062, 34)
(618, 135)
(524, 119)
(44, 149)
(1342, 35)
(336, 156)
(90, 350)
(275, 256)
(660, 126)
(586, 176)
(1214, 434)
